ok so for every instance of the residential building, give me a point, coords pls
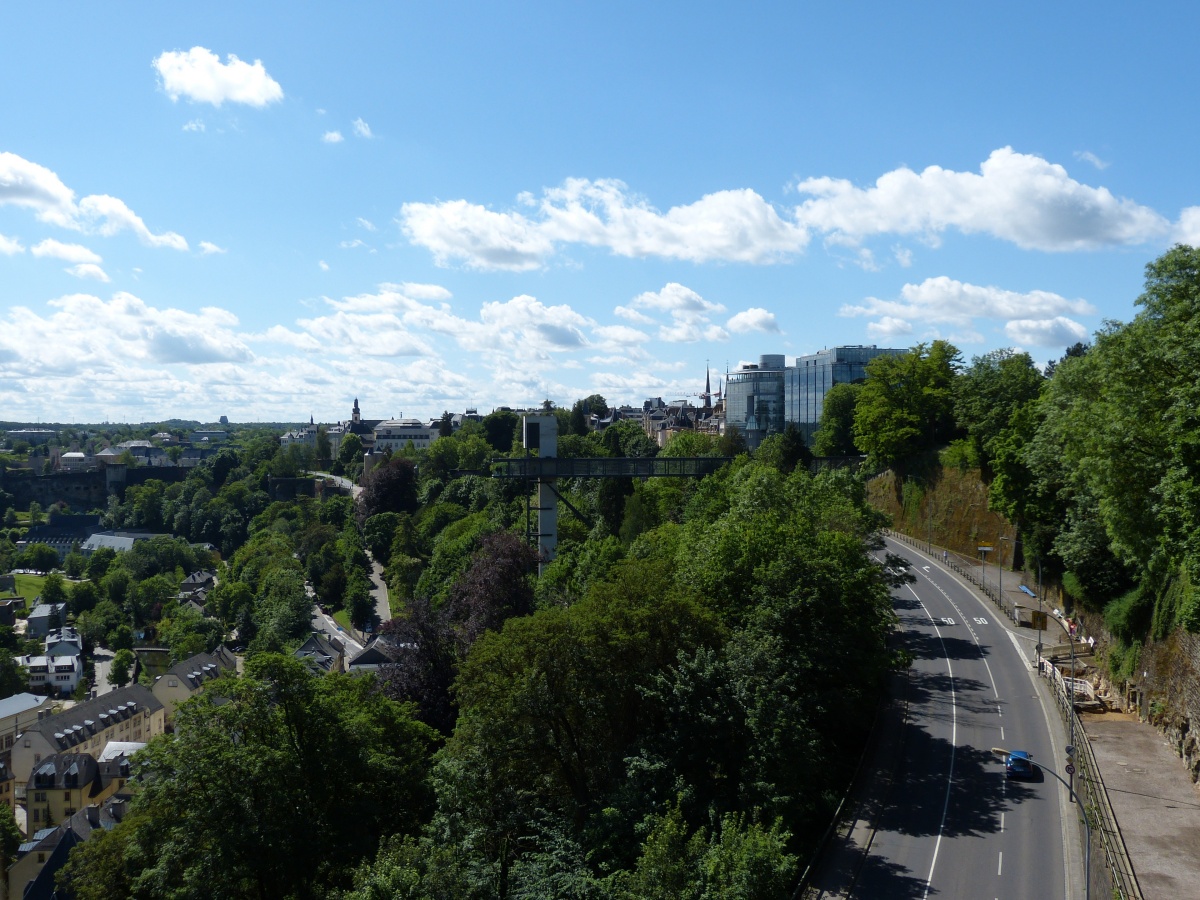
(116, 540)
(323, 653)
(131, 713)
(305, 436)
(8, 787)
(32, 436)
(55, 676)
(38, 859)
(45, 618)
(208, 437)
(63, 533)
(378, 653)
(64, 783)
(186, 679)
(395, 434)
(17, 713)
(76, 461)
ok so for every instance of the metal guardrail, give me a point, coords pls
(1099, 810)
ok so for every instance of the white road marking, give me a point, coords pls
(1001, 823)
(953, 747)
(1066, 811)
(1002, 738)
(1000, 865)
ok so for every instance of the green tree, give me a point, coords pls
(36, 517)
(446, 424)
(121, 669)
(54, 589)
(989, 393)
(39, 557)
(216, 810)
(350, 450)
(835, 436)
(13, 679)
(499, 427)
(906, 405)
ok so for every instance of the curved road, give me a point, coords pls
(951, 825)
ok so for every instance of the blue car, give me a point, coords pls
(1018, 764)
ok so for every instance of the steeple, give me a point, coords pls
(707, 388)
(354, 416)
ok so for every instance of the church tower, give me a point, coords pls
(355, 417)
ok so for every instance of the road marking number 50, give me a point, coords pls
(979, 621)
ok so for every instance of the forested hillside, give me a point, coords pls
(671, 710)
(1094, 465)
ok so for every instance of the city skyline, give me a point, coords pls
(263, 213)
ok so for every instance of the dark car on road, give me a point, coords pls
(1018, 764)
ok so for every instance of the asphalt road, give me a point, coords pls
(952, 825)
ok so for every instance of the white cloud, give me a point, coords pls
(72, 253)
(621, 334)
(207, 248)
(332, 137)
(362, 129)
(735, 225)
(421, 291)
(85, 332)
(1056, 332)
(366, 223)
(10, 246)
(753, 319)
(460, 231)
(903, 256)
(351, 244)
(678, 300)
(1016, 197)
(889, 327)
(200, 76)
(1188, 229)
(1089, 157)
(633, 315)
(28, 185)
(194, 125)
(956, 304)
(88, 270)
(322, 265)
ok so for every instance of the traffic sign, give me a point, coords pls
(1070, 750)
(1070, 769)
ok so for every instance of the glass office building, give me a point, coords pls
(806, 383)
(754, 398)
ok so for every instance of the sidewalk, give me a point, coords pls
(1156, 805)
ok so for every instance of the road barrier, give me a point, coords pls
(1117, 864)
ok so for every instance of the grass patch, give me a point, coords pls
(29, 586)
(343, 618)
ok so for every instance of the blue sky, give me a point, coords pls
(266, 212)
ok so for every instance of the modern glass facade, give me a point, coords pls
(806, 383)
(754, 398)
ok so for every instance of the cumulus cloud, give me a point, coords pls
(88, 270)
(690, 314)
(753, 319)
(1015, 197)
(10, 246)
(362, 129)
(734, 225)
(458, 231)
(207, 248)
(1056, 332)
(621, 334)
(1188, 229)
(194, 125)
(332, 137)
(200, 76)
(72, 253)
(633, 315)
(84, 332)
(943, 301)
(31, 186)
